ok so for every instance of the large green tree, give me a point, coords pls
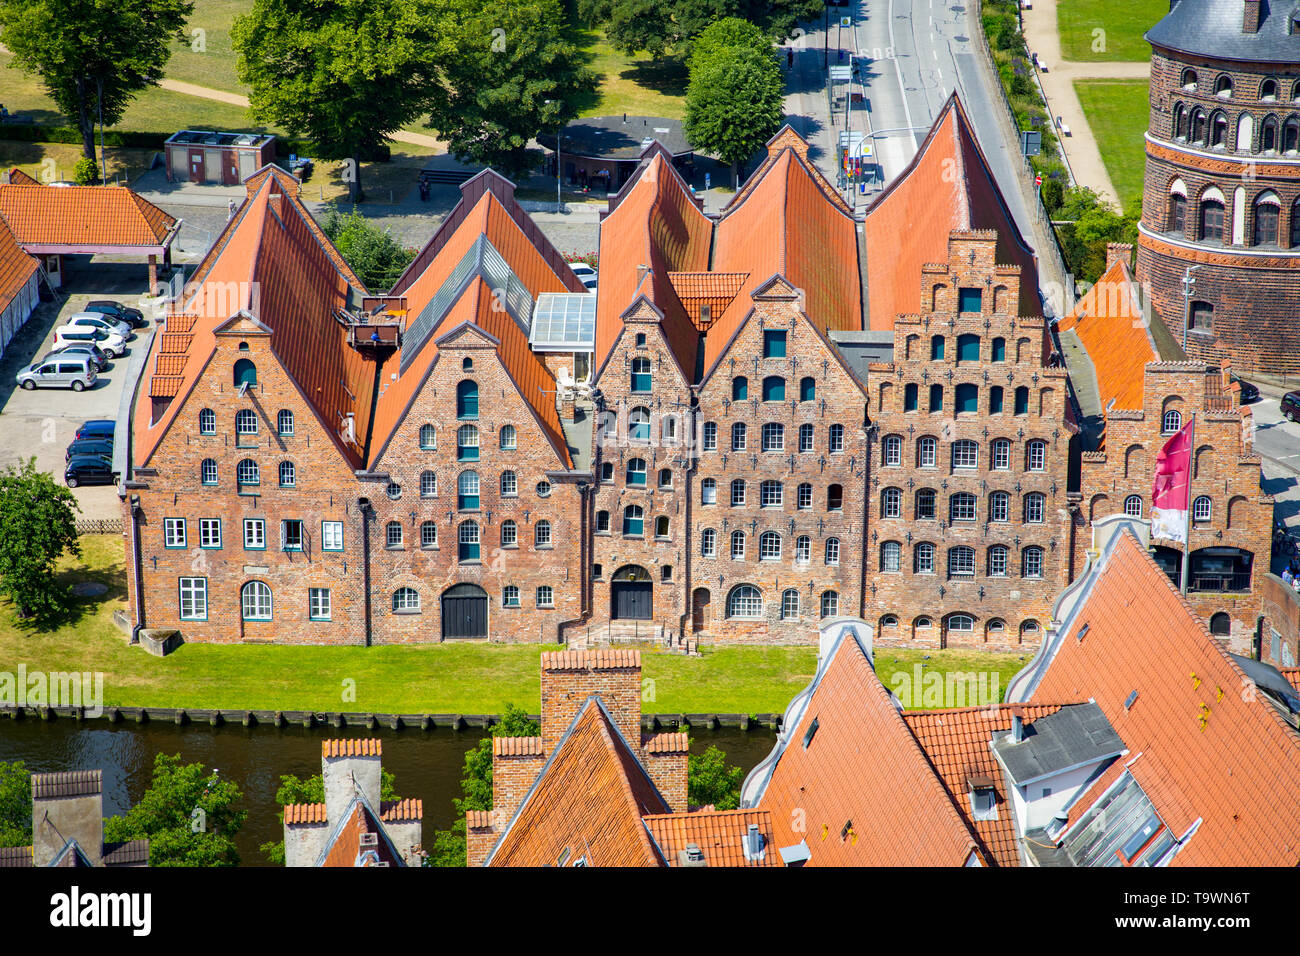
(189, 816)
(734, 104)
(92, 56)
(38, 524)
(667, 28)
(508, 72)
(374, 255)
(295, 789)
(711, 780)
(343, 73)
(15, 804)
(721, 35)
(1089, 223)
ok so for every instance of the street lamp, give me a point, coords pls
(1189, 284)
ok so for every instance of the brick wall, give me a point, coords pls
(515, 766)
(570, 677)
(668, 771)
(479, 839)
(1280, 627)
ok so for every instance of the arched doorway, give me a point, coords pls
(631, 594)
(464, 612)
(699, 609)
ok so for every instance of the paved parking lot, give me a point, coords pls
(42, 422)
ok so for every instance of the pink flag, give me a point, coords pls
(1171, 490)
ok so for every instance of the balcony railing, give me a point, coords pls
(1220, 583)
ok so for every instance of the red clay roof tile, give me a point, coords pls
(352, 747)
(82, 216)
(720, 834)
(16, 267)
(517, 747)
(1108, 321)
(673, 743)
(401, 811)
(596, 659)
(305, 813)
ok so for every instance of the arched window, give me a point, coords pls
(807, 389)
(835, 439)
(709, 543)
(774, 389)
(245, 373)
(393, 534)
(1267, 213)
(1036, 455)
(509, 438)
(467, 491)
(642, 380)
(467, 541)
(997, 567)
(967, 399)
(739, 388)
(467, 443)
(769, 546)
(1172, 422)
(923, 558)
(806, 439)
(1219, 129)
(1177, 217)
(891, 503)
(771, 494)
(1133, 506)
(509, 534)
(1291, 135)
(255, 601)
(925, 504)
(284, 422)
(773, 436)
(1022, 400)
(936, 348)
(428, 438)
(208, 471)
(661, 526)
(745, 601)
(467, 364)
(830, 603)
(406, 599)
(1268, 134)
(1031, 562)
(467, 399)
(509, 484)
(998, 353)
(1202, 509)
(961, 507)
(638, 424)
(1180, 121)
(1268, 90)
(832, 551)
(891, 450)
(1196, 127)
(288, 475)
(429, 534)
(1245, 132)
(633, 521)
(891, 556)
(737, 545)
(961, 624)
(245, 422)
(207, 422)
(636, 472)
(1189, 79)
(789, 604)
(1295, 224)
(542, 534)
(834, 498)
(927, 449)
(803, 549)
(936, 398)
(247, 473)
(1001, 452)
(665, 477)
(1223, 86)
(1211, 225)
(911, 397)
(1221, 625)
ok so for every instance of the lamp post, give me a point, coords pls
(1189, 284)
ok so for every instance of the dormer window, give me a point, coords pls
(983, 797)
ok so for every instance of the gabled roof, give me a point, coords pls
(948, 185)
(589, 799)
(344, 845)
(16, 266)
(82, 216)
(1207, 754)
(858, 781)
(720, 835)
(785, 224)
(957, 745)
(273, 262)
(655, 226)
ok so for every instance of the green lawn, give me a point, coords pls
(1118, 112)
(1122, 26)
(435, 679)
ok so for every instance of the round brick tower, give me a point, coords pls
(1222, 186)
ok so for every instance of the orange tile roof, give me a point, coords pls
(82, 216)
(589, 800)
(861, 793)
(1202, 749)
(713, 289)
(19, 178)
(655, 225)
(785, 224)
(352, 747)
(299, 813)
(1292, 674)
(346, 849)
(719, 833)
(517, 746)
(673, 743)
(478, 819)
(957, 745)
(401, 811)
(947, 186)
(16, 267)
(1108, 321)
(594, 659)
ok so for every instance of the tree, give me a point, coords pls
(188, 816)
(720, 35)
(37, 525)
(93, 56)
(1091, 223)
(710, 780)
(508, 73)
(667, 28)
(15, 804)
(450, 846)
(374, 255)
(734, 104)
(344, 73)
(294, 789)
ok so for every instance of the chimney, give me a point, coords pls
(305, 833)
(1017, 734)
(569, 678)
(480, 836)
(348, 767)
(67, 806)
(516, 762)
(1251, 16)
(755, 843)
(664, 758)
(1119, 251)
(641, 271)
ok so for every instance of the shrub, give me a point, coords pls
(86, 172)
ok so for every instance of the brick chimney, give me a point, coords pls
(570, 677)
(349, 766)
(67, 806)
(480, 835)
(516, 762)
(1251, 16)
(664, 758)
(1117, 252)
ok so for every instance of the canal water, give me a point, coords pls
(427, 764)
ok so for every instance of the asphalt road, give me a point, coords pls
(1277, 442)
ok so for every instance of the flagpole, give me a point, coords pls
(1187, 532)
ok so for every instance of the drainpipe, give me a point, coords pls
(366, 511)
(135, 569)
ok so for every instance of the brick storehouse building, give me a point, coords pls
(592, 790)
(1135, 388)
(1222, 185)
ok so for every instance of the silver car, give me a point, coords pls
(60, 371)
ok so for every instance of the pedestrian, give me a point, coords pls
(231, 207)
(424, 190)
(1286, 575)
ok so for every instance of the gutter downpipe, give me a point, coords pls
(134, 503)
(363, 504)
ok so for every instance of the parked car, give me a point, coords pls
(1249, 393)
(89, 446)
(100, 321)
(1291, 406)
(119, 312)
(72, 371)
(101, 428)
(111, 342)
(88, 470)
(83, 348)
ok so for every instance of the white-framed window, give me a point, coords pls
(284, 422)
(789, 604)
(891, 503)
(769, 546)
(710, 438)
(999, 507)
(806, 439)
(509, 484)
(209, 532)
(288, 474)
(1201, 509)
(406, 600)
(961, 507)
(1032, 563)
(739, 436)
(636, 472)
(1001, 454)
(428, 484)
(804, 497)
(394, 490)
(891, 450)
(510, 533)
(961, 623)
(194, 599)
(835, 439)
(331, 535)
(247, 473)
(255, 601)
(428, 437)
(1036, 455)
(771, 494)
(508, 439)
(1172, 421)
(745, 601)
(832, 551)
(429, 534)
(291, 536)
(602, 522)
(1035, 507)
(255, 534)
(998, 561)
(318, 604)
(961, 562)
(245, 422)
(708, 491)
(803, 549)
(542, 534)
(545, 596)
(738, 493)
(737, 546)
(923, 559)
(208, 471)
(830, 603)
(891, 553)
(926, 452)
(207, 422)
(773, 436)
(1133, 506)
(467, 443)
(543, 489)
(708, 543)
(965, 454)
(510, 596)
(393, 534)
(467, 486)
(174, 532)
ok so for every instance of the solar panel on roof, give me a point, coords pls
(564, 321)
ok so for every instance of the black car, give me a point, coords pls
(99, 356)
(88, 470)
(1249, 393)
(101, 428)
(1291, 406)
(118, 311)
(89, 446)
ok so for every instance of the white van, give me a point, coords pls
(69, 370)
